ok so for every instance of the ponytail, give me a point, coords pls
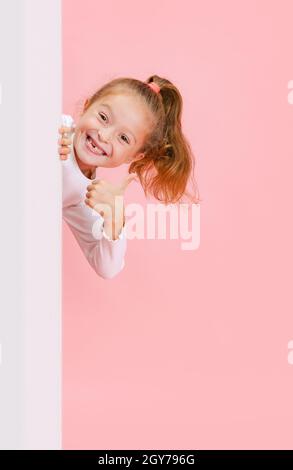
(168, 166)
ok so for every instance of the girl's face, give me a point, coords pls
(111, 131)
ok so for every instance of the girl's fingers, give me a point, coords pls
(92, 186)
(63, 150)
(63, 141)
(63, 129)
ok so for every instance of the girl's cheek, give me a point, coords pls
(77, 130)
(92, 123)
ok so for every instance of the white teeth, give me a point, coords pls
(93, 146)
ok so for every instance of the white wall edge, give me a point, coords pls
(31, 235)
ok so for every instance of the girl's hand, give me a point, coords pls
(64, 141)
(108, 200)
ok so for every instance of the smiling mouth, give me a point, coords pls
(91, 144)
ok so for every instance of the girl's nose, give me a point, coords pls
(103, 138)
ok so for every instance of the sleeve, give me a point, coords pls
(106, 256)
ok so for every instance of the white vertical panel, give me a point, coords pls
(30, 243)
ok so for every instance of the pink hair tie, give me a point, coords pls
(154, 87)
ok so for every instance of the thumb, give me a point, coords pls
(127, 180)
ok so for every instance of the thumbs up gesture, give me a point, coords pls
(108, 200)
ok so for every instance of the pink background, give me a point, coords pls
(189, 349)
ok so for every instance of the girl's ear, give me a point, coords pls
(139, 156)
(85, 105)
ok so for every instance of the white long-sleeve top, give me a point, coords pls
(105, 256)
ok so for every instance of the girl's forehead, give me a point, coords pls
(119, 100)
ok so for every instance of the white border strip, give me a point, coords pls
(30, 328)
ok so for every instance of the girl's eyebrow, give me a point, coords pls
(107, 106)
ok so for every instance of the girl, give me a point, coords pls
(126, 121)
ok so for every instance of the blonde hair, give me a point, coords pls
(168, 164)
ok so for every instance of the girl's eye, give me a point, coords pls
(127, 140)
(100, 114)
